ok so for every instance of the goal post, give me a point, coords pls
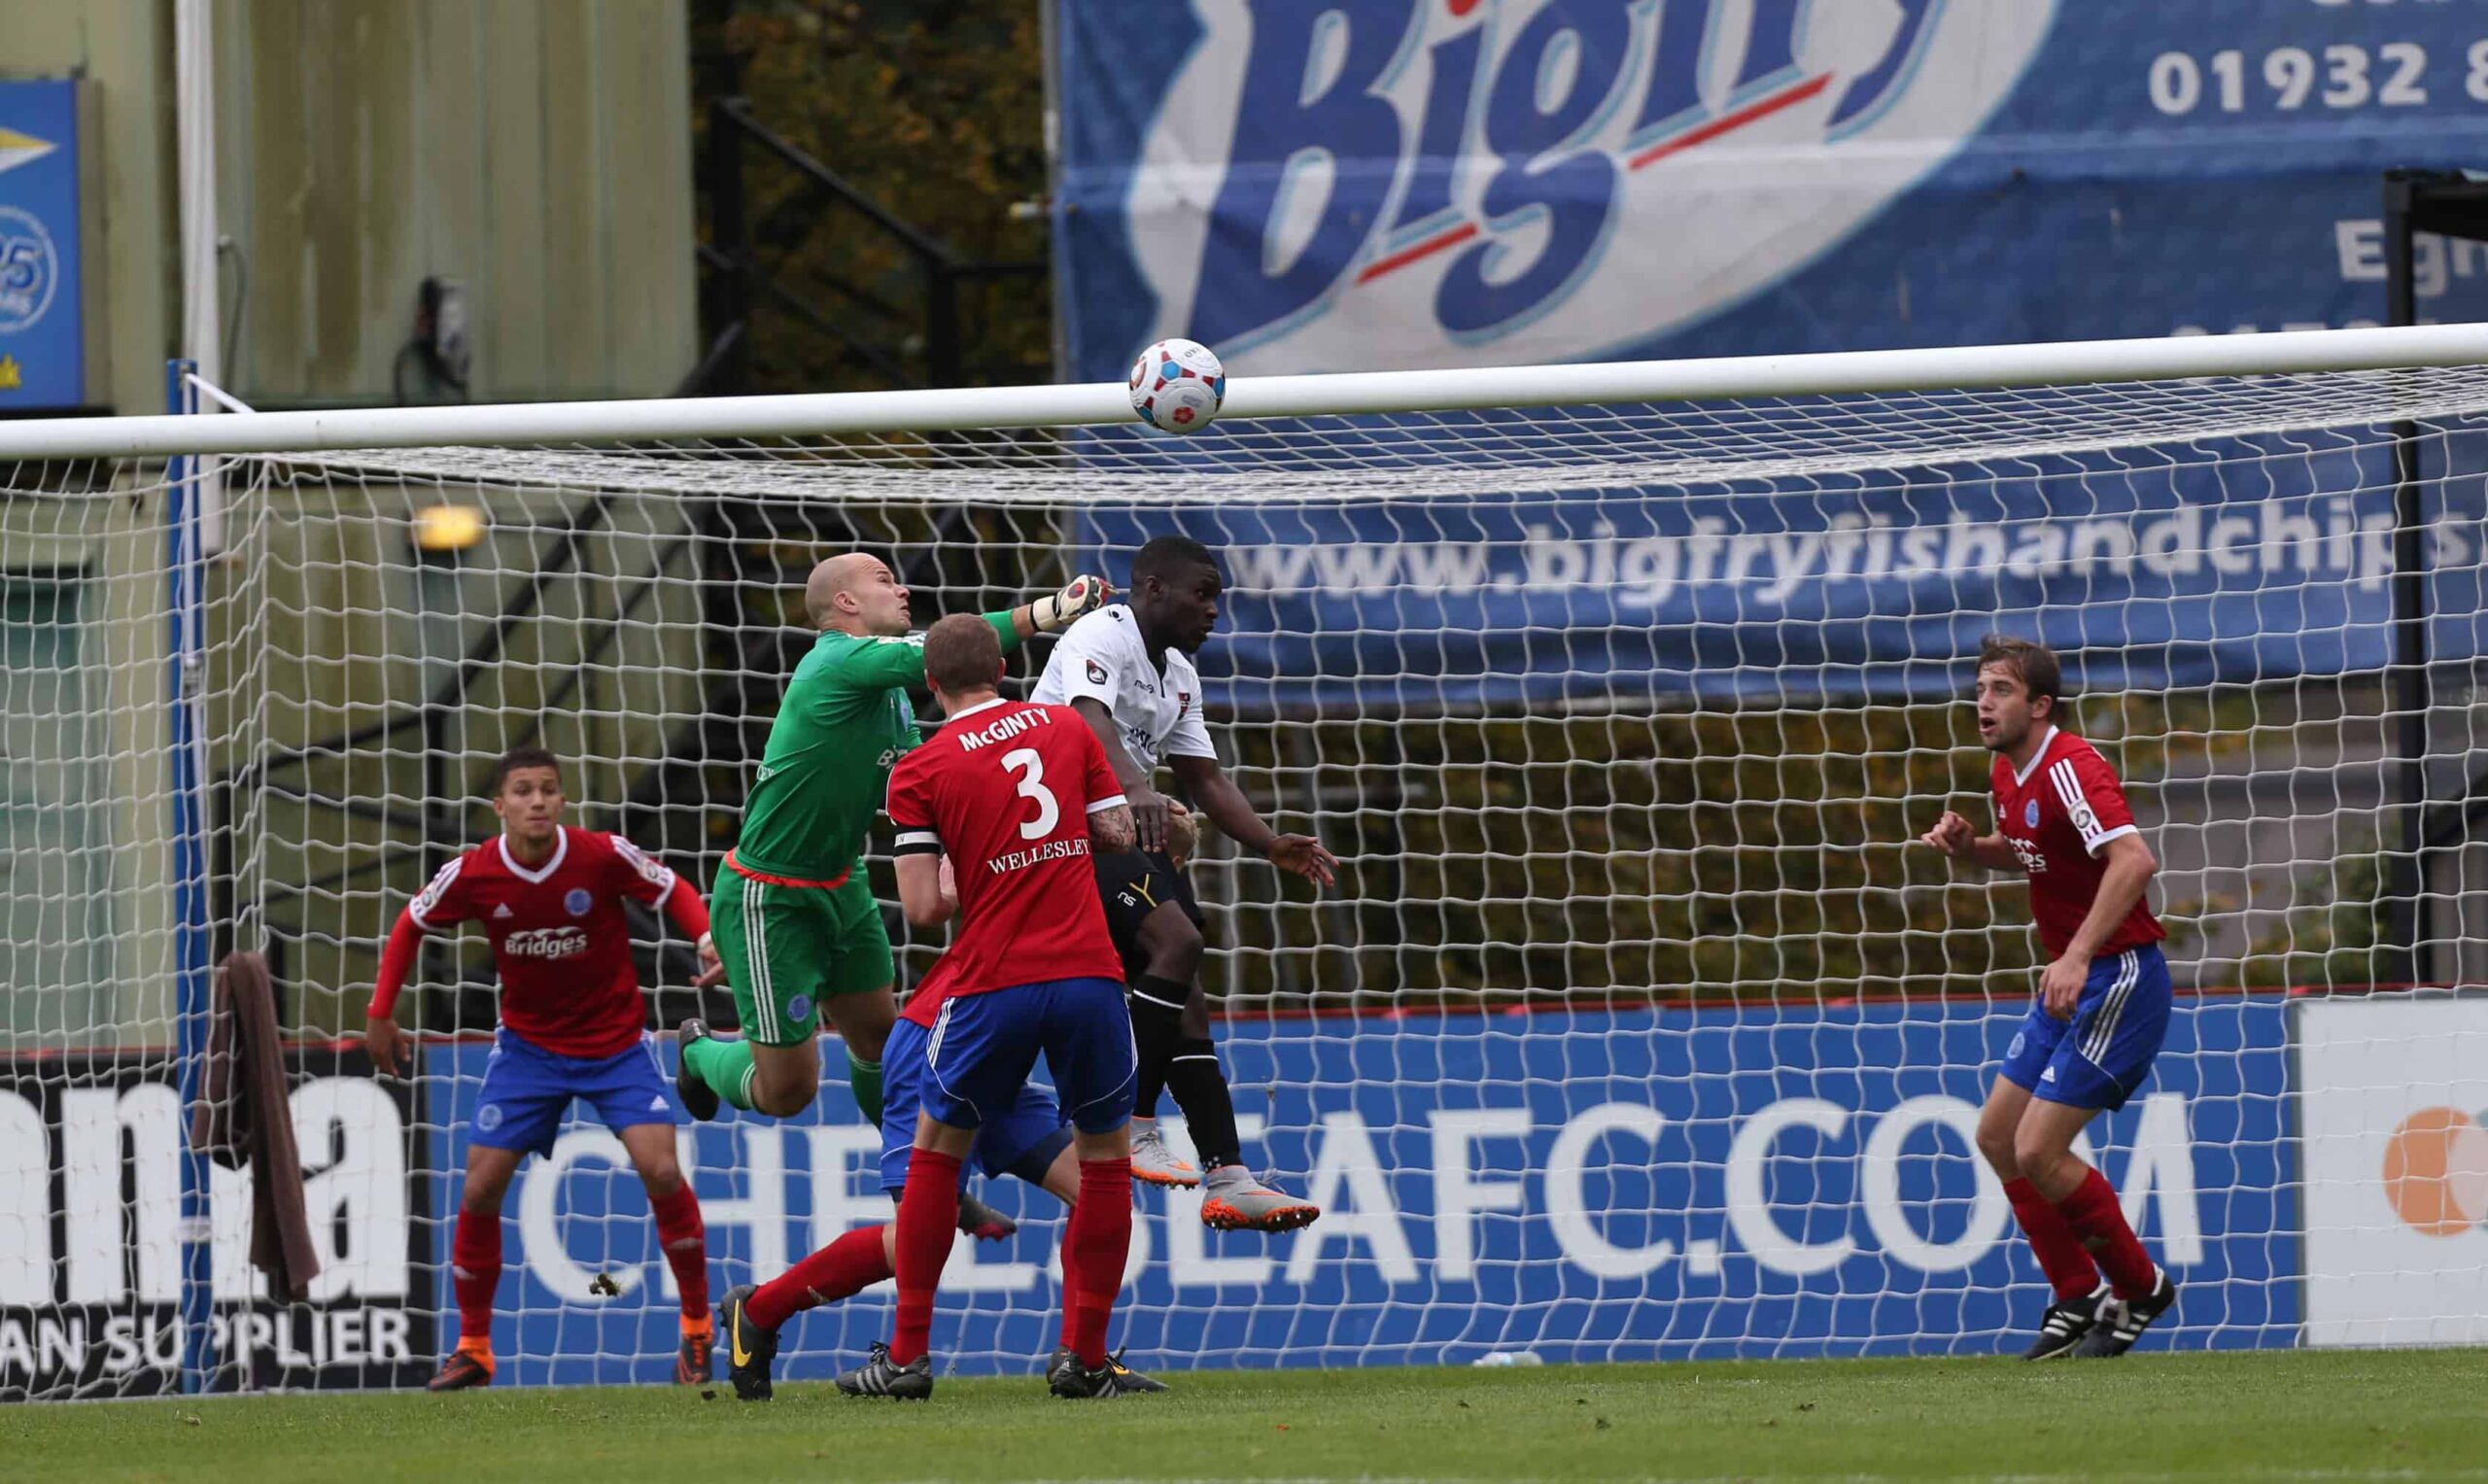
(1636, 1026)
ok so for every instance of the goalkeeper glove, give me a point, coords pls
(1058, 611)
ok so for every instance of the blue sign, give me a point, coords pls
(43, 333)
(2144, 573)
(1589, 1185)
(1373, 184)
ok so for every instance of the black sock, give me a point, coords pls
(1157, 1029)
(1209, 1112)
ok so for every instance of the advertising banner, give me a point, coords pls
(1426, 183)
(91, 1234)
(1586, 1185)
(2392, 1126)
(43, 329)
(2155, 577)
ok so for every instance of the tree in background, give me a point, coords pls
(935, 108)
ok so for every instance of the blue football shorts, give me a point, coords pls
(2098, 1059)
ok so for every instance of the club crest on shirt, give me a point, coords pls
(2030, 813)
(576, 902)
(1096, 674)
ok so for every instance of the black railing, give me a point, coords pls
(897, 342)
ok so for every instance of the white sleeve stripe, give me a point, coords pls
(2086, 817)
(919, 838)
(431, 893)
(1104, 803)
(2096, 842)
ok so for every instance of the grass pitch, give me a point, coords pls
(2362, 1415)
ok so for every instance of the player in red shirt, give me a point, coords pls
(2103, 1005)
(571, 1026)
(1013, 795)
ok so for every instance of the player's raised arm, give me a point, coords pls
(1209, 787)
(861, 594)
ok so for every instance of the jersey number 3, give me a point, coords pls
(1032, 785)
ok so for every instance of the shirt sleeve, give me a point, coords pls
(630, 872)
(911, 808)
(886, 663)
(2095, 801)
(1090, 667)
(1105, 790)
(1190, 737)
(443, 902)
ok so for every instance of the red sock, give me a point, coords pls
(474, 1272)
(685, 1240)
(928, 1217)
(2062, 1255)
(2095, 1216)
(847, 1266)
(1094, 1247)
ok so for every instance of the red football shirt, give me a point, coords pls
(560, 940)
(1005, 789)
(2057, 815)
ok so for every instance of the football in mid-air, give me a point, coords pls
(1177, 386)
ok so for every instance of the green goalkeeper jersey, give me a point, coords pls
(845, 721)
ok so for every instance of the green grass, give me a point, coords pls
(2359, 1415)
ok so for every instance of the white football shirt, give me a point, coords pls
(1102, 657)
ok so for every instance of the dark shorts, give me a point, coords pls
(2098, 1059)
(1132, 885)
(1021, 1140)
(977, 1058)
(526, 1089)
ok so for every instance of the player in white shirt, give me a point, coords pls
(1127, 668)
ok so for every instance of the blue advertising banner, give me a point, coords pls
(2147, 577)
(43, 333)
(1387, 182)
(1315, 186)
(1587, 1185)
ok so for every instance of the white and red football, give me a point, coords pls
(1178, 385)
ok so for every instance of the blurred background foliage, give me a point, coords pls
(935, 108)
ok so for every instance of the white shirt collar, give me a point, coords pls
(561, 847)
(982, 706)
(2022, 775)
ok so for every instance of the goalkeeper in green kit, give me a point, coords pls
(794, 919)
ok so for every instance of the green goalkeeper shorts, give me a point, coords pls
(786, 949)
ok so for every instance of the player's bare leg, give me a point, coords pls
(779, 1080)
(684, 1239)
(863, 1023)
(2072, 1276)
(784, 1078)
(475, 1268)
(2140, 1292)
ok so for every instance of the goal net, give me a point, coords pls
(1636, 1026)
